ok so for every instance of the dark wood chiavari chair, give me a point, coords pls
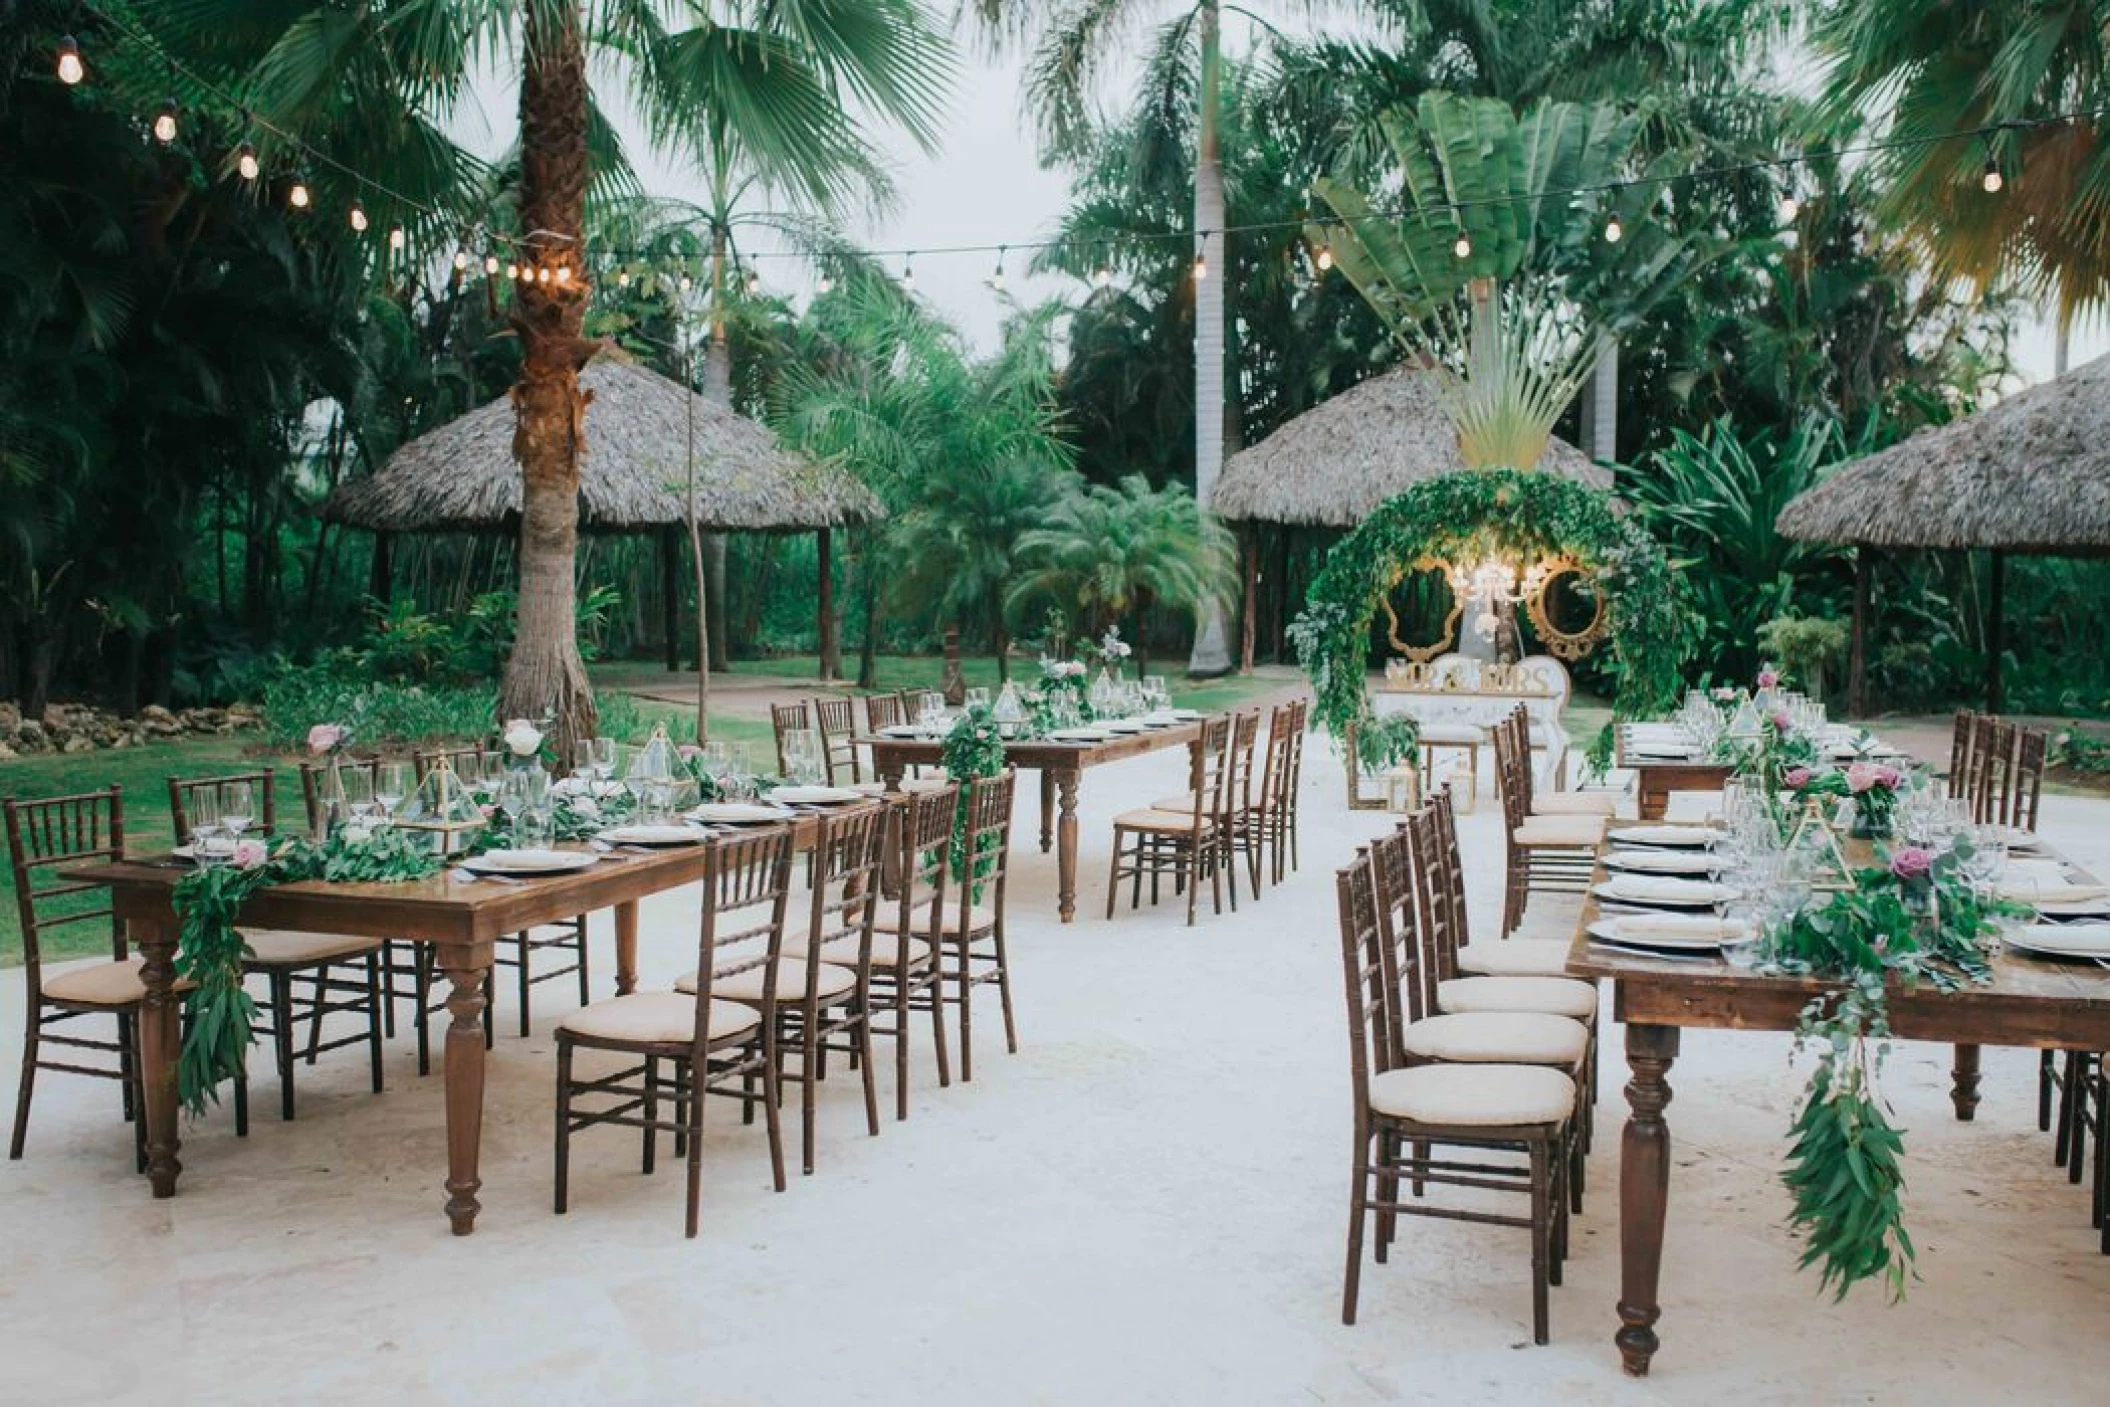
(784, 720)
(906, 967)
(45, 839)
(1189, 846)
(1300, 730)
(816, 1007)
(1543, 854)
(1440, 1123)
(882, 711)
(973, 949)
(302, 972)
(837, 718)
(713, 1046)
(1963, 732)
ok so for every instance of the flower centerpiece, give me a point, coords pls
(523, 742)
(326, 743)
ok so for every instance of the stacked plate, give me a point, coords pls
(2063, 940)
(740, 813)
(1663, 891)
(813, 796)
(1698, 837)
(654, 835)
(1660, 861)
(1127, 725)
(1080, 735)
(522, 863)
(1669, 933)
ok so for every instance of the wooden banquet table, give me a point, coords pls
(2029, 1003)
(460, 919)
(1061, 766)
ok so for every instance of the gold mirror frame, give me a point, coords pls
(1420, 654)
(1565, 644)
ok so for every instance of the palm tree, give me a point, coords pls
(1116, 552)
(960, 546)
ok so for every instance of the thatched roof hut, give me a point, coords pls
(1332, 465)
(462, 477)
(2030, 474)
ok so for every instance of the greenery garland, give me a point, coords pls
(1522, 513)
(973, 748)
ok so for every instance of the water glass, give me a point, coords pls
(977, 698)
(237, 807)
(601, 755)
(211, 843)
(391, 785)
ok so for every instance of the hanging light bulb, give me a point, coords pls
(542, 274)
(1992, 180)
(1613, 230)
(686, 282)
(753, 282)
(246, 163)
(461, 260)
(491, 264)
(1201, 261)
(71, 69)
(1790, 207)
(1102, 276)
(358, 218)
(996, 280)
(908, 273)
(298, 195)
(165, 123)
(513, 272)
(1464, 246)
(825, 283)
(397, 238)
(622, 278)
(1324, 258)
(564, 273)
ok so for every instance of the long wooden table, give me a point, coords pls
(2029, 1003)
(1061, 766)
(1657, 777)
(461, 919)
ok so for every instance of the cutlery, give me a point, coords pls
(1640, 952)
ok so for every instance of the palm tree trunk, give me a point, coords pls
(718, 387)
(1212, 654)
(545, 676)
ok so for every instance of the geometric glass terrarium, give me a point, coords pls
(441, 817)
(655, 762)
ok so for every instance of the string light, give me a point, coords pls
(908, 272)
(753, 281)
(513, 272)
(686, 282)
(1464, 247)
(825, 283)
(564, 273)
(1992, 181)
(297, 195)
(622, 278)
(71, 69)
(491, 264)
(996, 280)
(357, 217)
(1102, 276)
(461, 260)
(1324, 258)
(1613, 230)
(246, 163)
(165, 123)
(1201, 258)
(1790, 207)
(397, 238)
(542, 275)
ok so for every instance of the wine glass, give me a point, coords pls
(211, 843)
(237, 807)
(977, 698)
(391, 785)
(359, 794)
(602, 752)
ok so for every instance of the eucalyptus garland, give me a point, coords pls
(973, 747)
(1520, 513)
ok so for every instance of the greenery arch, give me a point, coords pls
(1519, 513)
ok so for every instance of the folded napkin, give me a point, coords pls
(1667, 835)
(1649, 886)
(2079, 939)
(2051, 891)
(1663, 861)
(1677, 926)
(2035, 871)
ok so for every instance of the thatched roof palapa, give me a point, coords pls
(1334, 464)
(2031, 474)
(462, 477)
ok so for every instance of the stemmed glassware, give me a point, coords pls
(391, 784)
(977, 698)
(237, 807)
(601, 756)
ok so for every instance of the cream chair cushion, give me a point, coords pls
(1555, 996)
(841, 950)
(1474, 1096)
(746, 984)
(277, 948)
(1160, 822)
(1516, 957)
(657, 1018)
(1453, 734)
(980, 918)
(1481, 1037)
(1574, 803)
(1578, 831)
(103, 984)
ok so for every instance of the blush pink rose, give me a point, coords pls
(1781, 721)
(1912, 862)
(1767, 678)
(1862, 776)
(1797, 777)
(248, 854)
(325, 737)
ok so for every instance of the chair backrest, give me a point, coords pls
(838, 723)
(184, 794)
(785, 719)
(1992, 747)
(1276, 759)
(923, 821)
(1444, 820)
(2032, 746)
(1432, 889)
(1368, 984)
(1209, 771)
(314, 774)
(882, 711)
(1238, 763)
(746, 891)
(848, 851)
(45, 839)
(1399, 923)
(982, 866)
(1300, 726)
(467, 761)
(1512, 769)
(1963, 733)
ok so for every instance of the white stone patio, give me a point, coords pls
(1146, 1205)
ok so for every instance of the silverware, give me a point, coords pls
(1639, 951)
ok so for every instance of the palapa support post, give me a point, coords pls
(1249, 609)
(1995, 629)
(380, 579)
(831, 650)
(1857, 644)
(670, 595)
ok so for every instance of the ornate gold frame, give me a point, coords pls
(1420, 654)
(1562, 644)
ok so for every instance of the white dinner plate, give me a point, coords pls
(1663, 861)
(528, 862)
(654, 835)
(1186, 715)
(1663, 891)
(1080, 735)
(1662, 752)
(902, 730)
(1667, 836)
(1126, 725)
(1671, 932)
(740, 813)
(2064, 940)
(813, 796)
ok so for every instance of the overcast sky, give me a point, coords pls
(983, 186)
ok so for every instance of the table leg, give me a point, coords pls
(159, 1035)
(891, 770)
(466, 969)
(1963, 1083)
(626, 947)
(1654, 800)
(1066, 845)
(1644, 1191)
(1047, 810)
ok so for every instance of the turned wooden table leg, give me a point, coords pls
(1066, 845)
(1963, 1083)
(159, 1035)
(1047, 810)
(1644, 1191)
(626, 948)
(1654, 801)
(465, 969)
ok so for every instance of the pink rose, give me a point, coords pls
(1767, 678)
(1797, 777)
(1912, 862)
(688, 751)
(1781, 722)
(486, 810)
(248, 854)
(1891, 778)
(1868, 775)
(325, 737)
